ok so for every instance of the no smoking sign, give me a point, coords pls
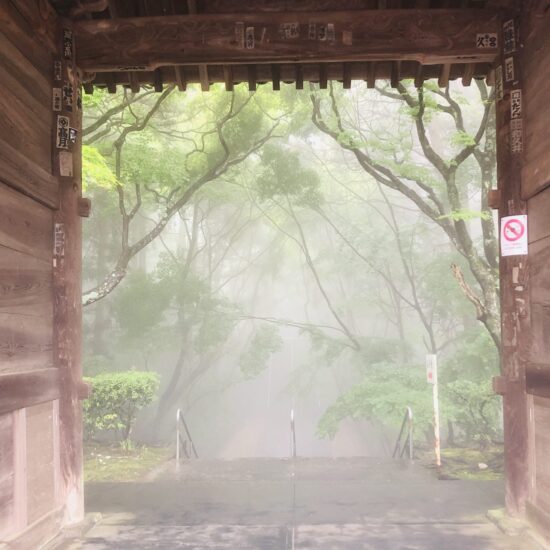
(513, 235)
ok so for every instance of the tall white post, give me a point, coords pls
(431, 372)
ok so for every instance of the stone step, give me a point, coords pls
(379, 536)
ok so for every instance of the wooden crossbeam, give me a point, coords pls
(228, 77)
(146, 43)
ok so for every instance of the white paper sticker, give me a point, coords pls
(66, 164)
(509, 69)
(513, 235)
(56, 99)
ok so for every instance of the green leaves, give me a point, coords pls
(96, 172)
(264, 343)
(284, 175)
(465, 214)
(116, 400)
(463, 139)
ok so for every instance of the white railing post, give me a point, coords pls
(178, 438)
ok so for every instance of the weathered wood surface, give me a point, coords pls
(67, 291)
(542, 452)
(29, 24)
(40, 461)
(6, 473)
(26, 284)
(536, 68)
(426, 36)
(25, 389)
(231, 75)
(514, 298)
(25, 225)
(26, 295)
(539, 291)
(25, 103)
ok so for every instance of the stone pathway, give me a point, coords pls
(321, 504)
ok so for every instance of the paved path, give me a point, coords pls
(321, 504)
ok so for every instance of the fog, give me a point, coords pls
(295, 257)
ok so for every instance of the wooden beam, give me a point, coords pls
(395, 74)
(419, 77)
(146, 43)
(67, 333)
(346, 80)
(276, 76)
(21, 390)
(251, 70)
(443, 80)
(299, 77)
(323, 76)
(371, 74)
(228, 78)
(203, 77)
(133, 80)
(181, 79)
(157, 83)
(468, 74)
(517, 337)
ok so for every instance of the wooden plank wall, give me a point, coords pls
(535, 178)
(29, 195)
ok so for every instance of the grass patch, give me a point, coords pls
(464, 463)
(112, 463)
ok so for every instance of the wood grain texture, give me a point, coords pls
(539, 220)
(25, 343)
(536, 77)
(25, 285)
(20, 31)
(25, 389)
(40, 463)
(358, 71)
(6, 474)
(427, 36)
(539, 296)
(25, 225)
(542, 452)
(515, 314)
(25, 99)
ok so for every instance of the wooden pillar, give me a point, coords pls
(514, 273)
(67, 276)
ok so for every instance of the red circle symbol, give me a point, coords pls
(513, 230)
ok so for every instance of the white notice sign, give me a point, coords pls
(513, 235)
(431, 368)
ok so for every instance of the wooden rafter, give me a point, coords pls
(146, 43)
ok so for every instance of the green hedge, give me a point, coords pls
(115, 401)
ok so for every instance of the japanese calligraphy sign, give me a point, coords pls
(509, 37)
(515, 104)
(68, 48)
(56, 99)
(488, 40)
(62, 132)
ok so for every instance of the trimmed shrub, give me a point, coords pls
(115, 401)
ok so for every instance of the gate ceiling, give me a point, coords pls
(138, 42)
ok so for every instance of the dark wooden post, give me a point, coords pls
(514, 273)
(67, 276)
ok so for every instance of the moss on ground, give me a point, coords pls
(112, 463)
(464, 463)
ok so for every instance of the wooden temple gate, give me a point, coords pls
(49, 49)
